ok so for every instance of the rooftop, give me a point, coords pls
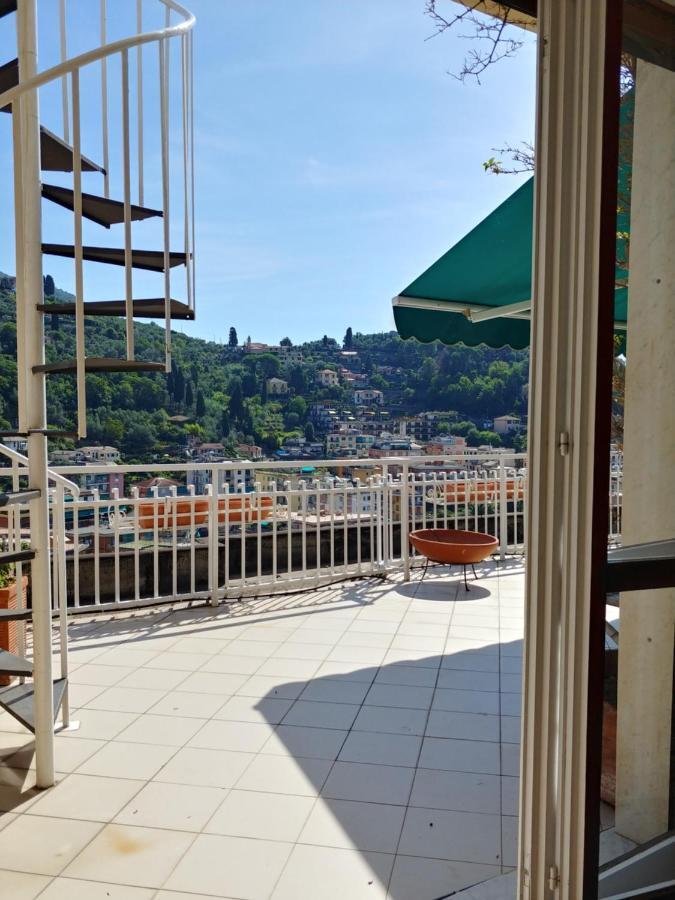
(361, 739)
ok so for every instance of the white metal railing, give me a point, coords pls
(226, 530)
(166, 75)
(15, 536)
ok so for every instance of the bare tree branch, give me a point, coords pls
(521, 155)
(499, 41)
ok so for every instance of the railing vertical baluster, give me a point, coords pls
(126, 166)
(212, 494)
(289, 530)
(63, 41)
(79, 267)
(273, 488)
(191, 495)
(164, 128)
(137, 539)
(186, 192)
(154, 493)
(116, 539)
(61, 592)
(97, 548)
(105, 137)
(139, 104)
(405, 522)
(226, 538)
(317, 486)
(258, 508)
(174, 543)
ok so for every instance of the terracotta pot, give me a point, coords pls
(452, 547)
(9, 631)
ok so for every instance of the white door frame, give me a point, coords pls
(571, 84)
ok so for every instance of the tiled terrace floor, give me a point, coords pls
(355, 742)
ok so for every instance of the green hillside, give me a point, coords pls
(219, 392)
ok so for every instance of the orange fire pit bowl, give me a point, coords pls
(453, 548)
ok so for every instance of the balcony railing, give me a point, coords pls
(230, 530)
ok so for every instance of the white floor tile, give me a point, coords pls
(334, 874)
(121, 759)
(381, 749)
(369, 783)
(22, 886)
(246, 737)
(460, 755)
(172, 731)
(254, 709)
(253, 814)
(467, 726)
(390, 720)
(285, 775)
(89, 797)
(189, 705)
(313, 743)
(210, 768)
(321, 715)
(462, 836)
(177, 806)
(230, 866)
(43, 846)
(429, 879)
(454, 700)
(122, 854)
(354, 825)
(76, 889)
(460, 791)
(399, 695)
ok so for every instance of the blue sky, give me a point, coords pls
(336, 159)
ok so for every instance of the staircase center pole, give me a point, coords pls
(31, 386)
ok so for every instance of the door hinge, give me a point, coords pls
(564, 443)
(553, 878)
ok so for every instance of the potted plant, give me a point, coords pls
(10, 599)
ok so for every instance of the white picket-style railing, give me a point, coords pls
(228, 530)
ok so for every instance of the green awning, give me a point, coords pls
(490, 267)
(487, 270)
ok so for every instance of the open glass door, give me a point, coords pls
(631, 771)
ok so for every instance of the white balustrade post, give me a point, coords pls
(503, 509)
(31, 385)
(212, 493)
(405, 520)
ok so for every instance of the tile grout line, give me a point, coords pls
(426, 724)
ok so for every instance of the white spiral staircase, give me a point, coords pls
(141, 120)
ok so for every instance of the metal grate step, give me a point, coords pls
(14, 665)
(16, 615)
(151, 260)
(18, 700)
(15, 556)
(57, 156)
(9, 78)
(101, 364)
(7, 7)
(98, 209)
(143, 309)
(10, 498)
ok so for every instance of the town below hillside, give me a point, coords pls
(364, 395)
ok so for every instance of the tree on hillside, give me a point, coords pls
(309, 432)
(297, 380)
(50, 287)
(348, 342)
(233, 340)
(225, 424)
(325, 340)
(236, 406)
(189, 395)
(200, 408)
(286, 342)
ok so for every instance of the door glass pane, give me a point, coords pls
(637, 786)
